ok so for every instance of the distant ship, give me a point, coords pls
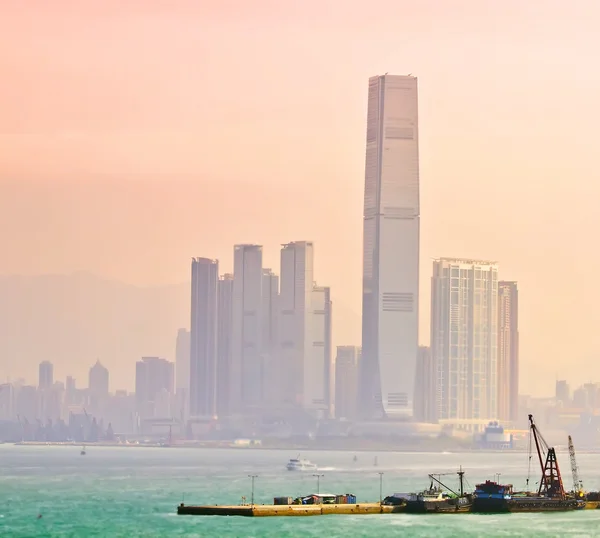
(297, 464)
(82, 451)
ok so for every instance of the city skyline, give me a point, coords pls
(121, 169)
(390, 309)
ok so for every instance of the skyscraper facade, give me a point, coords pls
(182, 374)
(346, 381)
(182, 361)
(270, 339)
(390, 247)
(153, 377)
(98, 380)
(295, 304)
(226, 400)
(318, 365)
(46, 375)
(425, 403)
(508, 351)
(203, 338)
(464, 338)
(246, 343)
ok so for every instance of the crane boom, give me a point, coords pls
(577, 484)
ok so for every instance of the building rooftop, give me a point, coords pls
(467, 261)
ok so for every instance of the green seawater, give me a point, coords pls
(129, 492)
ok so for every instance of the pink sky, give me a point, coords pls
(260, 107)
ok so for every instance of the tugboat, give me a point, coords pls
(492, 497)
(439, 498)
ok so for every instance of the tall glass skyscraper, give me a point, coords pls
(391, 248)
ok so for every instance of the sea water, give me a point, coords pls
(134, 491)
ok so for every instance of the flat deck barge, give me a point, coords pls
(266, 510)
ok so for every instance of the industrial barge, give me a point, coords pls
(488, 497)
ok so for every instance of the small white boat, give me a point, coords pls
(298, 464)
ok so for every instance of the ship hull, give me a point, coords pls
(527, 504)
(450, 506)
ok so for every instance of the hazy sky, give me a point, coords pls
(134, 135)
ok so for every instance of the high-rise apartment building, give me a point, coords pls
(153, 377)
(182, 362)
(295, 299)
(464, 339)
(98, 380)
(508, 351)
(98, 388)
(246, 343)
(562, 393)
(270, 339)
(346, 381)
(203, 338)
(46, 375)
(182, 375)
(318, 366)
(390, 248)
(425, 403)
(226, 400)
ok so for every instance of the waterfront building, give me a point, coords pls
(390, 248)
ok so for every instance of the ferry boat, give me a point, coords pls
(297, 464)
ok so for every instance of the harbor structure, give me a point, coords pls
(390, 248)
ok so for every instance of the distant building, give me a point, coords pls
(246, 373)
(563, 393)
(203, 338)
(70, 391)
(46, 375)
(464, 340)
(153, 375)
(508, 351)
(182, 361)
(426, 387)
(318, 366)
(225, 397)
(346, 381)
(51, 402)
(7, 401)
(98, 389)
(587, 396)
(272, 373)
(296, 288)
(182, 374)
(98, 380)
(27, 403)
(390, 312)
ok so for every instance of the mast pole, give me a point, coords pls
(537, 443)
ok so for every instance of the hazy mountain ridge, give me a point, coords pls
(71, 320)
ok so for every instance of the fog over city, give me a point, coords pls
(136, 136)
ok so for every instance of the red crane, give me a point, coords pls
(551, 484)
